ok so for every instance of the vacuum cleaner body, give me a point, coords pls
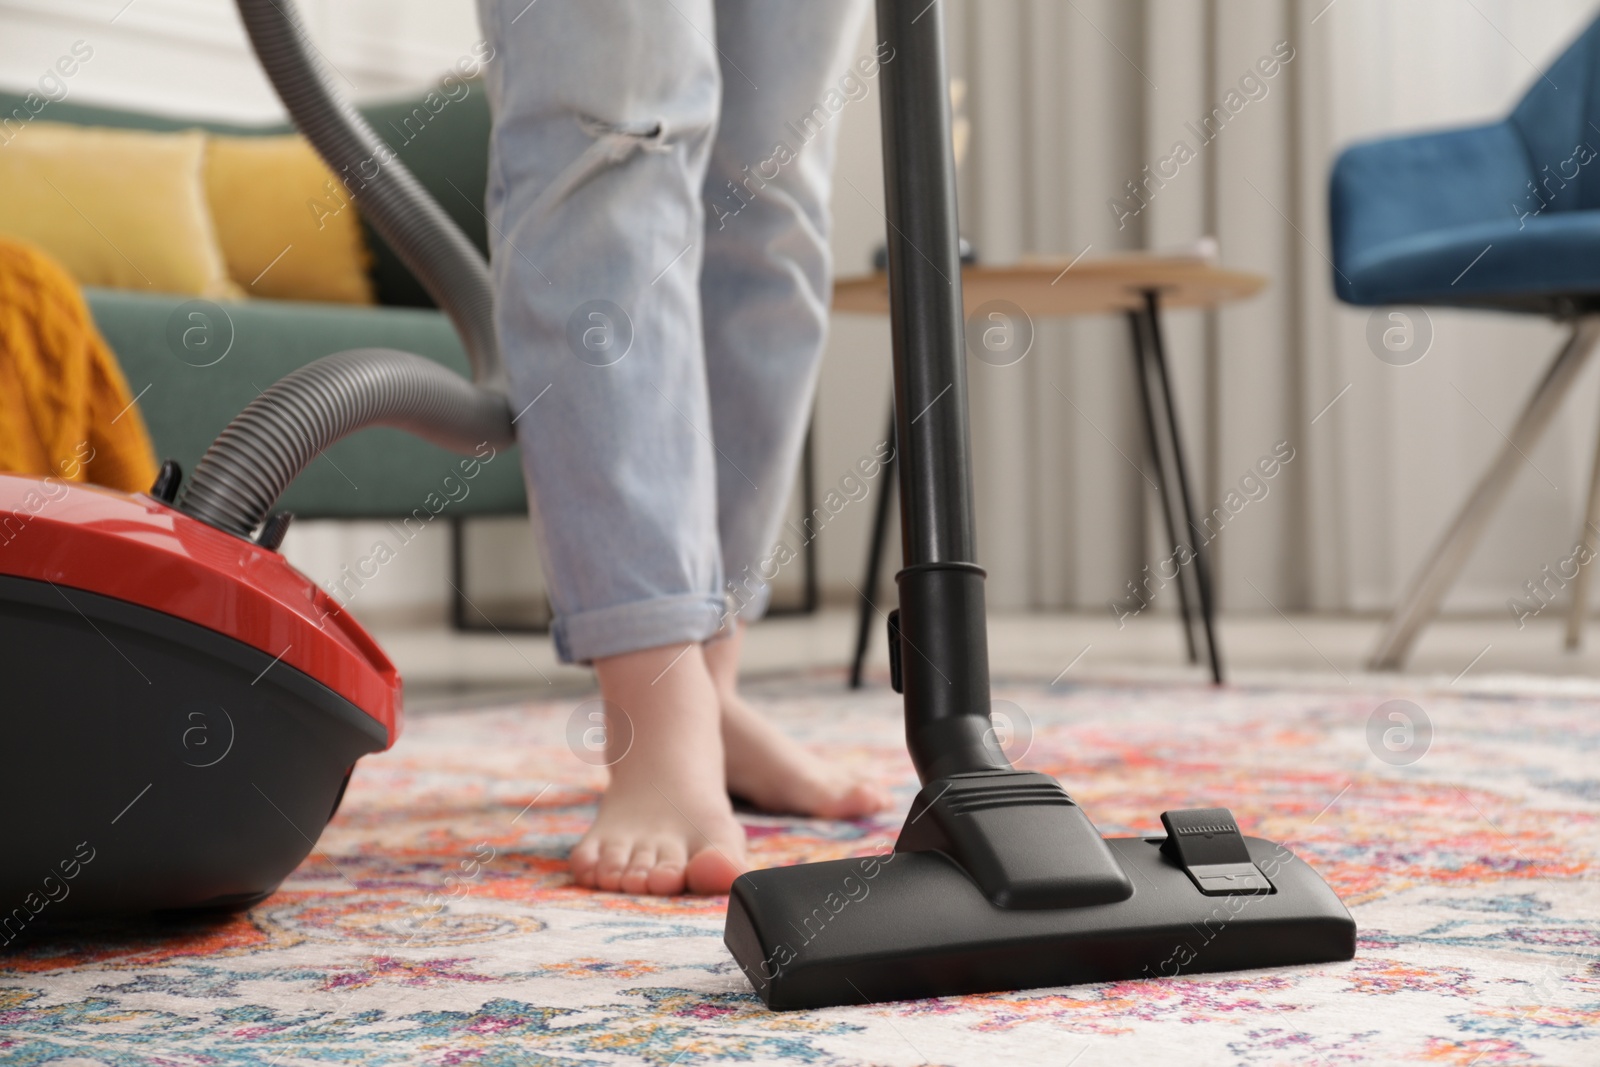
(182, 708)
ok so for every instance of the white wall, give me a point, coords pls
(190, 57)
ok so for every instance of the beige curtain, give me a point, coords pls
(1072, 99)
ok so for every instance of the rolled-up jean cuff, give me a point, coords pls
(752, 605)
(748, 610)
(669, 620)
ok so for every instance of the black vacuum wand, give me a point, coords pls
(937, 639)
(998, 879)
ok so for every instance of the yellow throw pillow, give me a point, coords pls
(288, 229)
(125, 209)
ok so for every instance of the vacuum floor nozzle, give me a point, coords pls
(914, 923)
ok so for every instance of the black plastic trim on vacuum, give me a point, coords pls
(946, 685)
(194, 770)
(976, 819)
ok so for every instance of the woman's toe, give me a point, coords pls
(848, 800)
(614, 857)
(665, 880)
(636, 878)
(583, 860)
(864, 798)
(711, 871)
(667, 876)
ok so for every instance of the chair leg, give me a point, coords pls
(875, 550)
(1202, 565)
(1140, 355)
(1586, 537)
(1444, 564)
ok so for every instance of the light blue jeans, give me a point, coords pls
(658, 223)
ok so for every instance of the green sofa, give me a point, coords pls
(374, 474)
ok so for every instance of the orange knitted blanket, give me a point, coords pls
(65, 409)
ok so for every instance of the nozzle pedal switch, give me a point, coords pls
(1207, 844)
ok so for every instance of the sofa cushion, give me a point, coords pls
(287, 229)
(448, 151)
(116, 207)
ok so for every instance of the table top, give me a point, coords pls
(1109, 284)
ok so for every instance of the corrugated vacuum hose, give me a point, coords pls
(261, 451)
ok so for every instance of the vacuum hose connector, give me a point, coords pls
(262, 450)
(387, 194)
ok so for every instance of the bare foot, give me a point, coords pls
(665, 824)
(770, 770)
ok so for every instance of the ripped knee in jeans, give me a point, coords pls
(613, 143)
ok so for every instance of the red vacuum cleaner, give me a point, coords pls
(182, 709)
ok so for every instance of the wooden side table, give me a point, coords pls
(1138, 286)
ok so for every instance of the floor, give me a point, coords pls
(444, 669)
(435, 922)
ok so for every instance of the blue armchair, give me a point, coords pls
(1504, 216)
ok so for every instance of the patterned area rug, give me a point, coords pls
(435, 923)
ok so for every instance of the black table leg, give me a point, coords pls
(1202, 568)
(465, 615)
(1136, 320)
(875, 550)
